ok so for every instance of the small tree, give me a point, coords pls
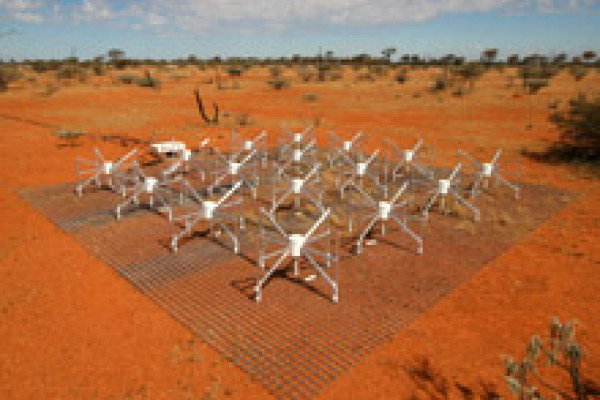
(488, 56)
(470, 72)
(589, 55)
(560, 350)
(513, 59)
(388, 53)
(116, 54)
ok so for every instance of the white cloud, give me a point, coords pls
(269, 15)
(155, 19)
(28, 17)
(202, 14)
(20, 5)
(92, 10)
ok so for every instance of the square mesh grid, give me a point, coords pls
(296, 342)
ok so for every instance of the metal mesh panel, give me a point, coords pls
(296, 342)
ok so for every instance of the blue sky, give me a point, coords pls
(178, 28)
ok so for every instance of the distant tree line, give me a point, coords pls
(117, 58)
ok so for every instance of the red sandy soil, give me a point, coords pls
(72, 329)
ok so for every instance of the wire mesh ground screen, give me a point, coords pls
(296, 341)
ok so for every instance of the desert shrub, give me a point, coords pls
(148, 81)
(235, 70)
(553, 105)
(365, 76)
(460, 91)
(537, 76)
(561, 351)
(578, 72)
(69, 137)
(579, 127)
(244, 120)
(334, 75)
(7, 75)
(178, 77)
(379, 70)
(469, 72)
(305, 73)
(70, 71)
(401, 76)
(98, 69)
(311, 97)
(126, 79)
(441, 83)
(275, 71)
(279, 84)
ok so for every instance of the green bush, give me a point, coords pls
(579, 127)
(578, 72)
(275, 71)
(537, 76)
(98, 69)
(70, 71)
(235, 70)
(311, 97)
(148, 81)
(7, 75)
(402, 76)
(460, 91)
(279, 84)
(442, 82)
(126, 79)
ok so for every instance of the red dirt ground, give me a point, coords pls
(72, 329)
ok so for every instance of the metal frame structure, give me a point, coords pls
(159, 188)
(101, 172)
(297, 187)
(384, 211)
(491, 171)
(196, 160)
(341, 150)
(240, 144)
(211, 211)
(289, 138)
(241, 165)
(298, 247)
(450, 186)
(297, 158)
(409, 164)
(358, 171)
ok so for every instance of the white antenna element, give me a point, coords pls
(152, 188)
(100, 172)
(289, 137)
(449, 186)
(297, 159)
(409, 164)
(359, 171)
(211, 211)
(297, 187)
(238, 166)
(298, 247)
(491, 172)
(341, 150)
(384, 211)
(240, 145)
